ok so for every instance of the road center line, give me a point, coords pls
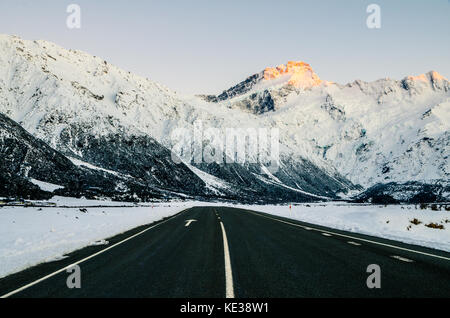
(229, 289)
(353, 237)
(86, 258)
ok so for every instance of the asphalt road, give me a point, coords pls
(229, 252)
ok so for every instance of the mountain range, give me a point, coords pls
(91, 129)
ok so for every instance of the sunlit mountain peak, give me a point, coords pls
(298, 74)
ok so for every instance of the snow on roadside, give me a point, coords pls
(31, 235)
(74, 202)
(390, 222)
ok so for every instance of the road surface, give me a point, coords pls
(221, 252)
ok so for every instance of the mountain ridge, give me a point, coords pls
(61, 95)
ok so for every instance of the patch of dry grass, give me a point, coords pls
(415, 221)
(435, 226)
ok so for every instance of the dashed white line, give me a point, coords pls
(326, 234)
(229, 289)
(355, 238)
(403, 259)
(354, 243)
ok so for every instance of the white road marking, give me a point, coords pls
(326, 234)
(356, 238)
(404, 259)
(188, 222)
(229, 289)
(354, 243)
(84, 259)
(307, 228)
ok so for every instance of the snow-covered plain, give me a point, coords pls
(32, 235)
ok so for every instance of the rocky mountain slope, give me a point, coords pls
(30, 168)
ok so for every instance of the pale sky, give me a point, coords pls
(206, 46)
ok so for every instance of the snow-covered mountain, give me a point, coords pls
(98, 114)
(333, 138)
(31, 169)
(372, 133)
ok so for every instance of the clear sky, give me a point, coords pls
(205, 46)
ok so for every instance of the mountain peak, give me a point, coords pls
(430, 76)
(298, 74)
(436, 75)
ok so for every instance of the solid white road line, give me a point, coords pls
(353, 237)
(84, 259)
(404, 259)
(229, 289)
(353, 243)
